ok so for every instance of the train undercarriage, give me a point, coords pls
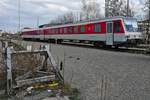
(128, 43)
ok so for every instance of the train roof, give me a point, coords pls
(82, 22)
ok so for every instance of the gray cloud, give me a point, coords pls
(32, 9)
(46, 10)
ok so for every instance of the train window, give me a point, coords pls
(117, 27)
(76, 29)
(61, 31)
(70, 29)
(49, 31)
(56, 30)
(65, 30)
(97, 28)
(109, 27)
(53, 31)
(131, 25)
(82, 28)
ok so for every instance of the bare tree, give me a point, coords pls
(84, 9)
(64, 19)
(147, 8)
(118, 8)
(90, 10)
(147, 18)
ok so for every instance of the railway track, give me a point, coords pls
(142, 49)
(137, 50)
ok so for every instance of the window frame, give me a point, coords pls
(70, 29)
(97, 28)
(110, 24)
(61, 30)
(65, 30)
(117, 27)
(82, 29)
(76, 29)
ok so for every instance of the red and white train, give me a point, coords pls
(112, 31)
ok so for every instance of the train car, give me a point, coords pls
(111, 31)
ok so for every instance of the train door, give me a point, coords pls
(109, 33)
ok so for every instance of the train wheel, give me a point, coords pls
(116, 47)
(96, 44)
(59, 41)
(81, 41)
(54, 41)
(70, 40)
(108, 46)
(49, 41)
(104, 46)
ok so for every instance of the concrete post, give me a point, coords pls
(9, 70)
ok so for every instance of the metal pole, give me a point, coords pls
(19, 24)
(128, 7)
(38, 20)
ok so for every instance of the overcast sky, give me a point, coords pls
(46, 10)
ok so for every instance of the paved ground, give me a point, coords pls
(106, 75)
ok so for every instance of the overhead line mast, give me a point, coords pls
(19, 24)
(128, 7)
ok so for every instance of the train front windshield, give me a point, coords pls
(131, 25)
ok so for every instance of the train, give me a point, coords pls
(116, 31)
